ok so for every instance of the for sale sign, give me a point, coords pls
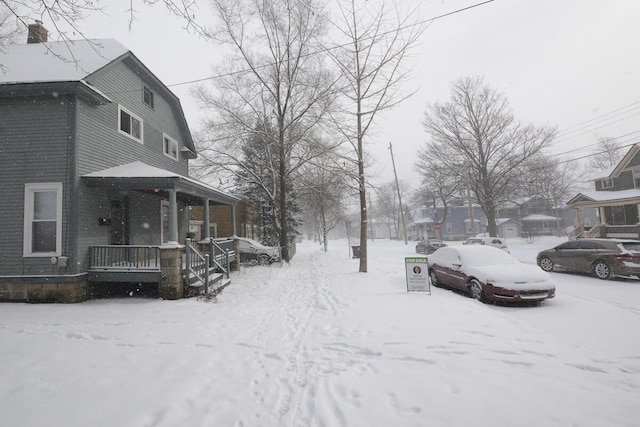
(417, 275)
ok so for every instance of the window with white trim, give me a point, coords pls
(42, 219)
(130, 124)
(170, 146)
(608, 182)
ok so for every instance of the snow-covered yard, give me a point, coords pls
(317, 344)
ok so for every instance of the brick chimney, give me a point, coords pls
(37, 33)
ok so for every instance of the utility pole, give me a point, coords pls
(404, 227)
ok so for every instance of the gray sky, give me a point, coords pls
(573, 64)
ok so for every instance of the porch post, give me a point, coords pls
(207, 231)
(234, 231)
(173, 217)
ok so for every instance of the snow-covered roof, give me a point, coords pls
(57, 61)
(602, 174)
(142, 170)
(603, 196)
(539, 217)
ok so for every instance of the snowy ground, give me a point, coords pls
(317, 344)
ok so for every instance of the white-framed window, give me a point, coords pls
(129, 124)
(608, 182)
(449, 228)
(213, 230)
(42, 219)
(169, 146)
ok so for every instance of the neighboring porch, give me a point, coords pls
(618, 212)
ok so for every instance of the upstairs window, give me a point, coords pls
(42, 219)
(608, 183)
(170, 147)
(130, 124)
(147, 96)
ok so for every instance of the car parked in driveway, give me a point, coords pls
(604, 258)
(489, 241)
(254, 252)
(489, 274)
(429, 246)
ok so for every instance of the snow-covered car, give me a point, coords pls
(488, 274)
(429, 246)
(604, 258)
(255, 253)
(496, 242)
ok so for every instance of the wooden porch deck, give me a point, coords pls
(141, 263)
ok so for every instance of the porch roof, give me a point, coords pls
(141, 176)
(605, 198)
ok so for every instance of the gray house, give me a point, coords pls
(94, 171)
(616, 196)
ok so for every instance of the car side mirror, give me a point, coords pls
(456, 266)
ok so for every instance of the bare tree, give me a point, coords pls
(551, 181)
(323, 191)
(475, 135)
(270, 81)
(375, 41)
(607, 154)
(440, 187)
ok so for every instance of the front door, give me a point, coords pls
(119, 229)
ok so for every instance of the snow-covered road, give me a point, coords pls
(315, 343)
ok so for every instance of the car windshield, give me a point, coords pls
(488, 257)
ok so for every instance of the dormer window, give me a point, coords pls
(607, 183)
(170, 147)
(130, 124)
(147, 96)
(636, 177)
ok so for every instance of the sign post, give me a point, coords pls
(417, 275)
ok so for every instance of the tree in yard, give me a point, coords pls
(476, 137)
(272, 90)
(439, 187)
(606, 155)
(323, 192)
(375, 41)
(551, 181)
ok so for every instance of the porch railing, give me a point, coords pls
(125, 257)
(197, 267)
(221, 253)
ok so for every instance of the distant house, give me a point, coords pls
(94, 171)
(540, 225)
(616, 197)
(239, 220)
(428, 223)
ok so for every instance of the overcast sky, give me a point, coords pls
(573, 64)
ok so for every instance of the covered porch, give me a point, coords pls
(175, 261)
(618, 212)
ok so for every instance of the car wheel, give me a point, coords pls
(263, 260)
(546, 264)
(253, 261)
(434, 279)
(601, 270)
(475, 290)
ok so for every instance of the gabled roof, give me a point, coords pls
(625, 160)
(141, 176)
(35, 68)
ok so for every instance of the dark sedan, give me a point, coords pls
(429, 246)
(487, 273)
(604, 258)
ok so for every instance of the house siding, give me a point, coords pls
(35, 141)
